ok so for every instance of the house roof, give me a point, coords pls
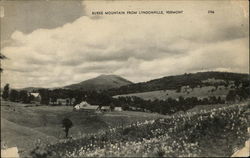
(35, 94)
(84, 103)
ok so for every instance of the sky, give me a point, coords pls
(57, 43)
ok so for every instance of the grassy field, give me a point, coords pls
(202, 92)
(22, 126)
(209, 132)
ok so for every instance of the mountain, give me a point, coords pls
(211, 78)
(102, 82)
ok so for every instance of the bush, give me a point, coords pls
(67, 124)
(40, 151)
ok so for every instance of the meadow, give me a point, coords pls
(23, 125)
(199, 92)
(207, 132)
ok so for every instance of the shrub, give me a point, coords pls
(67, 124)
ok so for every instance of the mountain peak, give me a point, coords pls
(102, 82)
(107, 75)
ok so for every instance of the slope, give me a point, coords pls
(200, 79)
(102, 82)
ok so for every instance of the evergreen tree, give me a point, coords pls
(231, 96)
(44, 96)
(24, 97)
(13, 95)
(6, 92)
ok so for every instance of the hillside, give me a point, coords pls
(22, 126)
(201, 92)
(31, 89)
(214, 132)
(200, 79)
(102, 82)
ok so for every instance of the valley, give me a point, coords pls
(188, 101)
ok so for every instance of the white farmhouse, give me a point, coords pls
(36, 96)
(85, 105)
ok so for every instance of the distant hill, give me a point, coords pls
(102, 82)
(35, 89)
(31, 89)
(200, 79)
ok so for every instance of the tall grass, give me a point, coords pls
(215, 132)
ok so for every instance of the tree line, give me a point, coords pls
(92, 97)
(50, 96)
(167, 106)
(15, 95)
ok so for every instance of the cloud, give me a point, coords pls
(27, 16)
(138, 48)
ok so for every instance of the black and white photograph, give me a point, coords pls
(125, 78)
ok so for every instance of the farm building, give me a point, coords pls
(105, 108)
(37, 96)
(135, 108)
(86, 106)
(61, 101)
(118, 109)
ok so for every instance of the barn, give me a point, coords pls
(85, 105)
(62, 101)
(36, 97)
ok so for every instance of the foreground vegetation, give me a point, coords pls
(23, 124)
(215, 132)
